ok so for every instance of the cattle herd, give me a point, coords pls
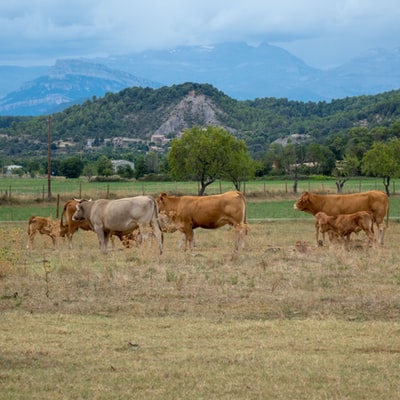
(135, 218)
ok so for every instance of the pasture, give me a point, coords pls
(275, 321)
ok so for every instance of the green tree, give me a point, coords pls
(89, 170)
(240, 167)
(125, 171)
(383, 160)
(206, 154)
(71, 167)
(140, 166)
(104, 166)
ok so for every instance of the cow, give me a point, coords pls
(208, 212)
(120, 216)
(375, 202)
(345, 224)
(68, 226)
(166, 221)
(168, 226)
(44, 226)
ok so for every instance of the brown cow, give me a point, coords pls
(68, 227)
(345, 224)
(209, 212)
(167, 225)
(44, 226)
(375, 202)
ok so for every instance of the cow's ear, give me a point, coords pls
(162, 196)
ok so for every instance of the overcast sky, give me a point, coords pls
(323, 33)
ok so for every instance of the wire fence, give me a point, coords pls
(38, 189)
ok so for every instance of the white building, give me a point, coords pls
(121, 163)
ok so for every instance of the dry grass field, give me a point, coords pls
(275, 321)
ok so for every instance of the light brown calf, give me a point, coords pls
(344, 225)
(44, 226)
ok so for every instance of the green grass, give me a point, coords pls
(266, 199)
(256, 209)
(38, 187)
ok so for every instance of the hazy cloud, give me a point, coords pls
(322, 32)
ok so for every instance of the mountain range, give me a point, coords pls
(241, 71)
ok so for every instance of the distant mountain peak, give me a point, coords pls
(240, 70)
(69, 81)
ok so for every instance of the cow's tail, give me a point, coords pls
(30, 222)
(387, 217)
(62, 216)
(156, 211)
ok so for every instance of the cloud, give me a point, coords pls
(44, 30)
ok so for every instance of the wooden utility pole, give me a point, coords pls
(49, 159)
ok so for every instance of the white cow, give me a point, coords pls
(122, 215)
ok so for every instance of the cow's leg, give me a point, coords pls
(69, 238)
(381, 230)
(70, 233)
(52, 237)
(240, 231)
(102, 239)
(370, 235)
(106, 240)
(317, 233)
(189, 239)
(30, 240)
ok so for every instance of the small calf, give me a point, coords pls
(44, 226)
(344, 225)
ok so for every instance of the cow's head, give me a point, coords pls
(63, 230)
(160, 199)
(321, 218)
(166, 220)
(303, 202)
(79, 213)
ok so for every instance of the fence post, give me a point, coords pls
(58, 204)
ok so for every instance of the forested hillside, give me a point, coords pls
(134, 115)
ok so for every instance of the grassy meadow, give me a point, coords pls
(280, 319)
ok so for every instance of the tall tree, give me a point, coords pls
(206, 154)
(72, 167)
(104, 166)
(240, 167)
(383, 160)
